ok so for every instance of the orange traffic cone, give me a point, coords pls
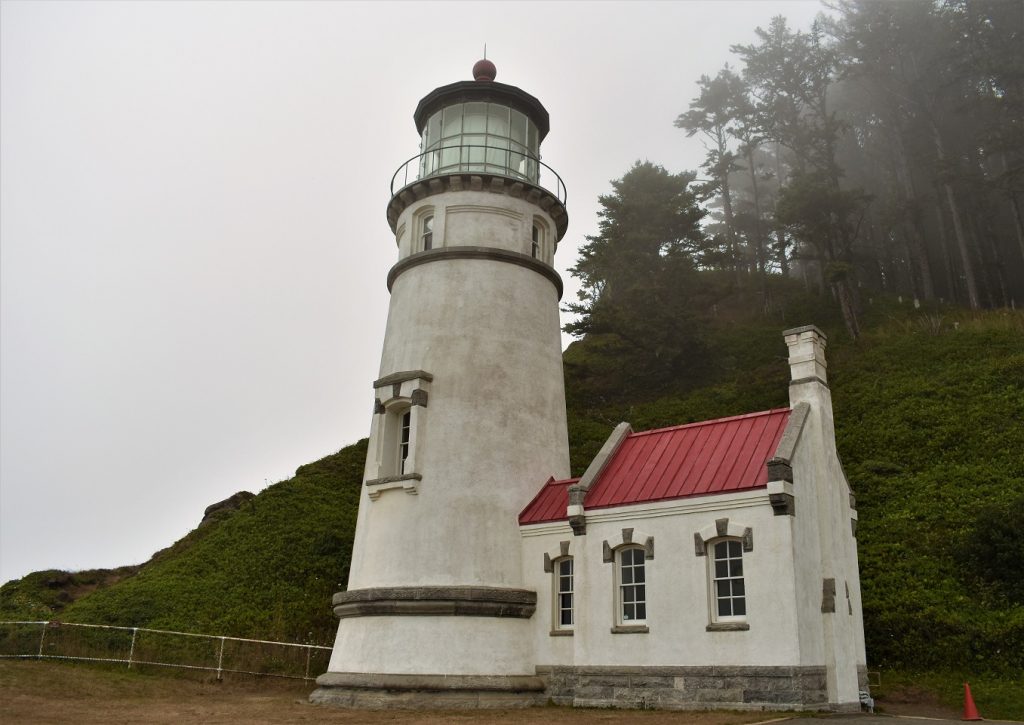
(970, 711)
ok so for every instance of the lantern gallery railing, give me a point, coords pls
(478, 159)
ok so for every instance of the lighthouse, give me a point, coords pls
(468, 414)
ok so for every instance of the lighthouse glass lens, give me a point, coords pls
(518, 127)
(433, 131)
(452, 125)
(480, 137)
(475, 118)
(497, 120)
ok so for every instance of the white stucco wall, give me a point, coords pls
(433, 646)
(475, 218)
(825, 547)
(678, 593)
(494, 427)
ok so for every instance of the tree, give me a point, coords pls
(712, 114)
(791, 73)
(638, 273)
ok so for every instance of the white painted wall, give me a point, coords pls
(825, 545)
(433, 646)
(783, 574)
(678, 609)
(493, 430)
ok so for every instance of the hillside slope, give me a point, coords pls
(929, 412)
(267, 570)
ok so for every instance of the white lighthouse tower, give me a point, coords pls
(468, 416)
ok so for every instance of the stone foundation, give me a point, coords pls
(427, 692)
(688, 688)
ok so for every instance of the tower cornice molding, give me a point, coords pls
(434, 601)
(489, 253)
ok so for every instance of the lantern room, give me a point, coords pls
(481, 126)
(480, 133)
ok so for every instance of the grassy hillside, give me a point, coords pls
(267, 570)
(930, 425)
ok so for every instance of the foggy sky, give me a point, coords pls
(193, 243)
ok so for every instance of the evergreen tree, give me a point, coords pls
(639, 274)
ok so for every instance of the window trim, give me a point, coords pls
(426, 227)
(539, 239)
(557, 577)
(404, 438)
(397, 432)
(620, 603)
(726, 622)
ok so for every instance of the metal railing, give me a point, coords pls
(479, 159)
(136, 646)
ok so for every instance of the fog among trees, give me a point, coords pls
(880, 151)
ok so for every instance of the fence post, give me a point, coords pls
(131, 650)
(309, 651)
(41, 638)
(220, 659)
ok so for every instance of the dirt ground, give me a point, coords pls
(54, 692)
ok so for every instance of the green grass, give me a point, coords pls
(267, 570)
(996, 697)
(929, 413)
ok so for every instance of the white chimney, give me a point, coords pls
(806, 354)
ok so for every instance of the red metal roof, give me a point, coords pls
(549, 504)
(715, 456)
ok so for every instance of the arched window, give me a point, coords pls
(404, 439)
(631, 586)
(535, 247)
(427, 232)
(728, 594)
(563, 591)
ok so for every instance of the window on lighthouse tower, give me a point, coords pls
(427, 233)
(403, 441)
(535, 247)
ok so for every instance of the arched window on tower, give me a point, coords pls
(427, 232)
(403, 440)
(540, 245)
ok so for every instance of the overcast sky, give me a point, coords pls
(193, 243)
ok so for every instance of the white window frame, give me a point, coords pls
(622, 587)
(426, 227)
(397, 432)
(404, 438)
(558, 579)
(539, 239)
(730, 576)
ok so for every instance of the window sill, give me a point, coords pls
(409, 482)
(630, 629)
(727, 627)
(560, 633)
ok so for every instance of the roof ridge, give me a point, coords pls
(709, 422)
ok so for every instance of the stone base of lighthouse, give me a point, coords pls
(428, 692)
(457, 647)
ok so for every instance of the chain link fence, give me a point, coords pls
(139, 646)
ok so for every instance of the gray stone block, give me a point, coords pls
(645, 681)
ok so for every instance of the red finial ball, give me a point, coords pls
(484, 70)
